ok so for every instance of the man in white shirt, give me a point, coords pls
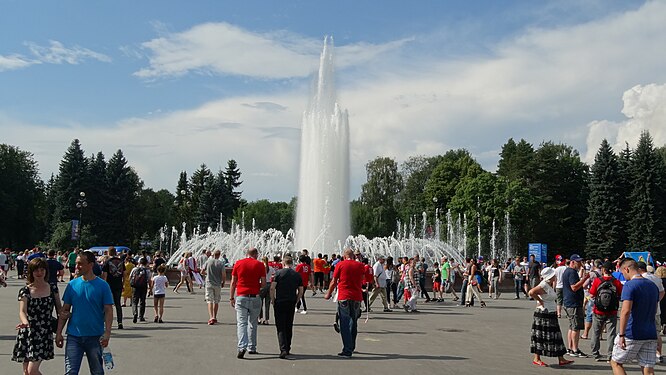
(380, 283)
(558, 286)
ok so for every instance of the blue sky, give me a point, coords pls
(175, 84)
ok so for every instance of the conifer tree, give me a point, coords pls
(605, 221)
(71, 181)
(646, 227)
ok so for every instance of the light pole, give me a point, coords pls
(81, 204)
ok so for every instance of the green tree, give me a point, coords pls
(605, 221)
(517, 160)
(124, 187)
(379, 193)
(182, 204)
(267, 214)
(646, 225)
(72, 179)
(201, 201)
(560, 183)
(443, 182)
(21, 194)
(415, 173)
(96, 196)
(232, 182)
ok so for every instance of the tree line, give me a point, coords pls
(548, 193)
(109, 199)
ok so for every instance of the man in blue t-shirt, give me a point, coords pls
(637, 333)
(572, 301)
(90, 301)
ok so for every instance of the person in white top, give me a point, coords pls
(546, 337)
(160, 285)
(380, 283)
(558, 285)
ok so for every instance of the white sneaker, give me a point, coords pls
(296, 310)
(304, 312)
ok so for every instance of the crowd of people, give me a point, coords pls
(618, 299)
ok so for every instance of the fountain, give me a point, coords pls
(322, 214)
(322, 220)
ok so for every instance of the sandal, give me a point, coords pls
(540, 363)
(564, 363)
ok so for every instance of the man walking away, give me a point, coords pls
(422, 267)
(304, 269)
(286, 289)
(247, 278)
(348, 277)
(141, 283)
(605, 291)
(319, 269)
(380, 283)
(213, 271)
(113, 271)
(88, 304)
(637, 334)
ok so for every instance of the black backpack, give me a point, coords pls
(606, 299)
(140, 278)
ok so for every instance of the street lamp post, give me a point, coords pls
(81, 204)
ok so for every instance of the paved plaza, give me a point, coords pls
(443, 339)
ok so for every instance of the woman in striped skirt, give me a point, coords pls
(546, 334)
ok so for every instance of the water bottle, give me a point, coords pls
(107, 357)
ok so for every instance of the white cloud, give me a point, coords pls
(222, 48)
(12, 62)
(54, 53)
(546, 84)
(57, 53)
(645, 109)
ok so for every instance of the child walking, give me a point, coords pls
(160, 285)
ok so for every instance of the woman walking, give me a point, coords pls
(184, 273)
(34, 340)
(494, 279)
(392, 279)
(127, 288)
(411, 286)
(265, 293)
(546, 337)
(473, 284)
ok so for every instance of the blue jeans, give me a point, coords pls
(75, 348)
(349, 312)
(247, 315)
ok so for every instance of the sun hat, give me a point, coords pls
(547, 273)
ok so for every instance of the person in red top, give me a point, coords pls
(609, 317)
(368, 280)
(319, 269)
(305, 271)
(247, 278)
(348, 276)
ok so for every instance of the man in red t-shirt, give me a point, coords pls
(247, 278)
(609, 317)
(305, 271)
(348, 277)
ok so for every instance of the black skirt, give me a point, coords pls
(546, 335)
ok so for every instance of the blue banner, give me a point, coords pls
(640, 256)
(75, 230)
(540, 252)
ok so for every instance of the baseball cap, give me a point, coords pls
(576, 258)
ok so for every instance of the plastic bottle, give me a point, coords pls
(107, 357)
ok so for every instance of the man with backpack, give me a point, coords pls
(140, 281)
(605, 291)
(113, 271)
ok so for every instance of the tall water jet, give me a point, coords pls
(322, 214)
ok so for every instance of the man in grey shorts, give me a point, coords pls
(572, 300)
(215, 274)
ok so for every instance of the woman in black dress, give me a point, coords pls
(34, 340)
